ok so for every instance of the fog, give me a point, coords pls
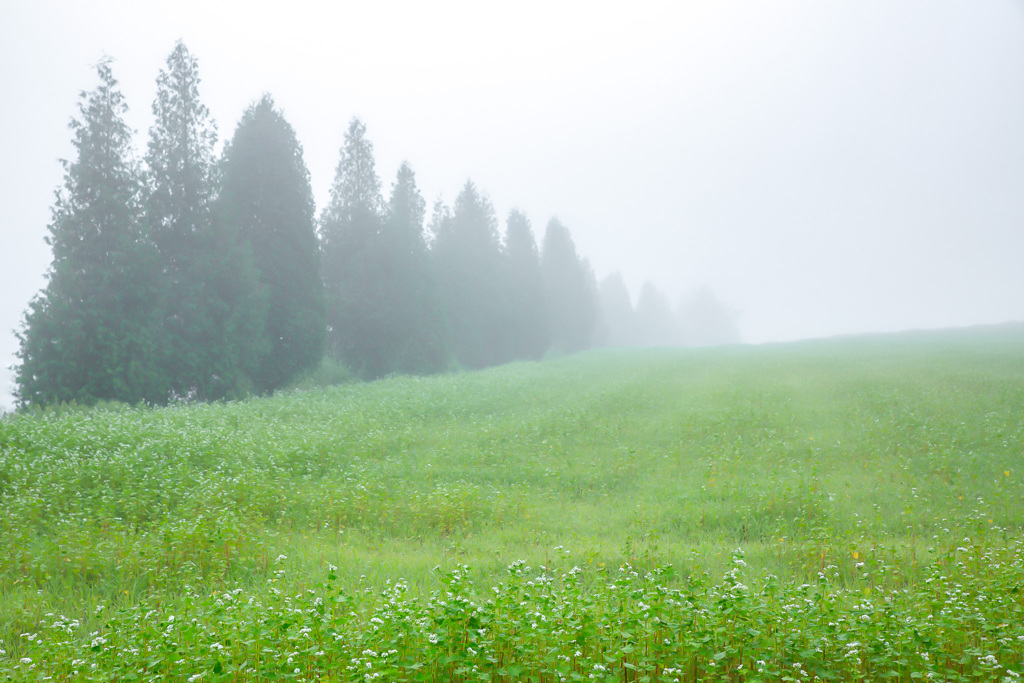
(820, 168)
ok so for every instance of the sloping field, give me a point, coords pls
(846, 509)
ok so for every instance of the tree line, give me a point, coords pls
(188, 275)
(698, 319)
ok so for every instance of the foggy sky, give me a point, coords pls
(825, 168)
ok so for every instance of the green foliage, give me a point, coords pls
(413, 336)
(529, 335)
(616, 312)
(556, 623)
(328, 373)
(847, 510)
(383, 310)
(179, 161)
(92, 332)
(655, 324)
(203, 281)
(266, 199)
(468, 265)
(209, 293)
(569, 291)
(349, 233)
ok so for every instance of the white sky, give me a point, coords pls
(826, 167)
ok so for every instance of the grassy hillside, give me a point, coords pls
(842, 509)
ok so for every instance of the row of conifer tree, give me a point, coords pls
(193, 276)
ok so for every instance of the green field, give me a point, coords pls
(845, 509)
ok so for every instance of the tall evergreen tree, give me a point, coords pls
(439, 230)
(569, 291)
(704, 320)
(212, 309)
(266, 198)
(617, 308)
(529, 334)
(440, 221)
(655, 325)
(409, 304)
(349, 230)
(598, 325)
(90, 334)
(468, 263)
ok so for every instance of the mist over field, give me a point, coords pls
(544, 342)
(773, 172)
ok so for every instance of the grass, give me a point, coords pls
(847, 509)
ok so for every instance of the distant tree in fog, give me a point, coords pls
(619, 320)
(412, 325)
(266, 199)
(440, 222)
(467, 259)
(655, 324)
(349, 230)
(705, 321)
(211, 308)
(91, 333)
(597, 326)
(568, 290)
(529, 335)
